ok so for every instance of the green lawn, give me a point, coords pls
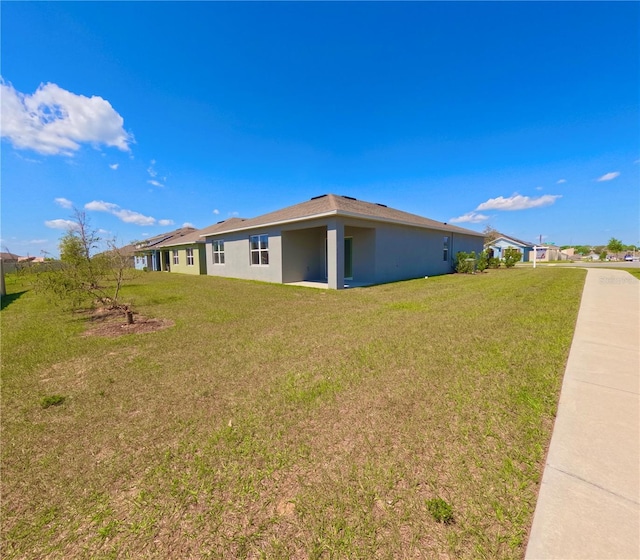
(280, 422)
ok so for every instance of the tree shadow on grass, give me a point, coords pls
(10, 298)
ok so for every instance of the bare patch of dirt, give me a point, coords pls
(112, 323)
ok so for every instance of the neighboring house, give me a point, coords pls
(9, 262)
(337, 241)
(148, 256)
(185, 254)
(546, 253)
(501, 243)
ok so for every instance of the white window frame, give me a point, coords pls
(445, 249)
(217, 251)
(190, 259)
(176, 256)
(261, 251)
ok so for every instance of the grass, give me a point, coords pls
(282, 422)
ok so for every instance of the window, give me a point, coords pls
(176, 259)
(189, 257)
(218, 252)
(259, 247)
(445, 249)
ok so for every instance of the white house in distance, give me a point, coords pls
(337, 241)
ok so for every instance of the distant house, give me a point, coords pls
(9, 261)
(187, 254)
(501, 243)
(336, 241)
(551, 253)
(147, 255)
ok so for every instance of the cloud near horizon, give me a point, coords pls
(127, 216)
(469, 218)
(54, 121)
(608, 176)
(518, 202)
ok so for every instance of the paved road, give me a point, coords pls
(589, 501)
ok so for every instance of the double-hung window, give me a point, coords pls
(259, 248)
(445, 249)
(218, 252)
(176, 259)
(189, 257)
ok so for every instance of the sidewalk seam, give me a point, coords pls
(572, 475)
(605, 386)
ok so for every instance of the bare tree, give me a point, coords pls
(490, 234)
(85, 277)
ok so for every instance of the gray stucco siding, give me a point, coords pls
(237, 256)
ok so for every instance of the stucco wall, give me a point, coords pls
(199, 259)
(304, 254)
(381, 252)
(238, 257)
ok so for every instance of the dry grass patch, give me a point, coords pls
(281, 422)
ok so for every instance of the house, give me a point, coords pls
(9, 261)
(147, 256)
(546, 253)
(337, 241)
(501, 243)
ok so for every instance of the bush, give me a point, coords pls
(483, 261)
(511, 257)
(494, 262)
(441, 511)
(52, 400)
(463, 263)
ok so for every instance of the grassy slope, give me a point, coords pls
(284, 422)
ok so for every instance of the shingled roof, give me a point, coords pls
(163, 237)
(334, 205)
(197, 236)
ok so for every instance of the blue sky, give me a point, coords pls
(150, 115)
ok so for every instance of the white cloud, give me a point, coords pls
(127, 216)
(114, 166)
(37, 241)
(165, 222)
(150, 170)
(560, 181)
(65, 203)
(609, 176)
(470, 218)
(518, 202)
(216, 211)
(188, 224)
(61, 224)
(100, 206)
(155, 183)
(56, 121)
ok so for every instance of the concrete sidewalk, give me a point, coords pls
(589, 500)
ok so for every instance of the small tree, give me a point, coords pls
(511, 257)
(85, 278)
(615, 246)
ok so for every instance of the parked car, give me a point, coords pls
(628, 258)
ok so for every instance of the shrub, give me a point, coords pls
(494, 262)
(52, 400)
(483, 261)
(511, 257)
(464, 264)
(441, 511)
